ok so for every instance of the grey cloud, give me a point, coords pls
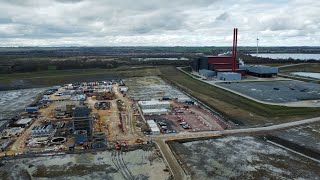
(157, 22)
(68, 1)
(222, 17)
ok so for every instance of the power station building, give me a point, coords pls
(220, 63)
(222, 66)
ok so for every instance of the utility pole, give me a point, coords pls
(257, 47)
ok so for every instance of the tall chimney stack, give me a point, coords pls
(234, 49)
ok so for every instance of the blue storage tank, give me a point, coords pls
(80, 136)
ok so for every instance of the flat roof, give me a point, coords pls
(153, 126)
(24, 121)
(219, 56)
(154, 110)
(155, 129)
(228, 70)
(153, 102)
(152, 123)
(230, 73)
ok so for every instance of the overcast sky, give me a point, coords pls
(158, 22)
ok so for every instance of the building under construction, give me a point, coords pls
(82, 120)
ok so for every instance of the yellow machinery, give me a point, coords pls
(139, 140)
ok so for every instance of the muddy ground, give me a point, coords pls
(243, 158)
(151, 87)
(305, 136)
(139, 164)
(13, 101)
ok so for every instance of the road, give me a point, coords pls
(171, 161)
(204, 134)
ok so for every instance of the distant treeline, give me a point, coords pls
(132, 51)
(30, 59)
(248, 59)
(34, 64)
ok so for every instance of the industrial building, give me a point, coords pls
(43, 130)
(154, 111)
(260, 70)
(81, 119)
(185, 100)
(23, 122)
(11, 132)
(219, 63)
(153, 127)
(207, 73)
(229, 76)
(154, 104)
(154, 107)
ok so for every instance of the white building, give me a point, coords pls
(154, 104)
(183, 100)
(155, 111)
(123, 89)
(153, 127)
(24, 122)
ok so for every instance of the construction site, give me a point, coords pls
(95, 116)
(149, 127)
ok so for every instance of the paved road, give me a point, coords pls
(289, 65)
(204, 134)
(172, 162)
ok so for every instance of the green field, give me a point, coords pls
(56, 77)
(234, 106)
(310, 67)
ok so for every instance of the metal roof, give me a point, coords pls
(24, 121)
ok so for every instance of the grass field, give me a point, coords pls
(55, 77)
(311, 67)
(234, 106)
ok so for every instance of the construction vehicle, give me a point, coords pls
(121, 145)
(139, 140)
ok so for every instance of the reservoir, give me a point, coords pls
(307, 74)
(287, 56)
